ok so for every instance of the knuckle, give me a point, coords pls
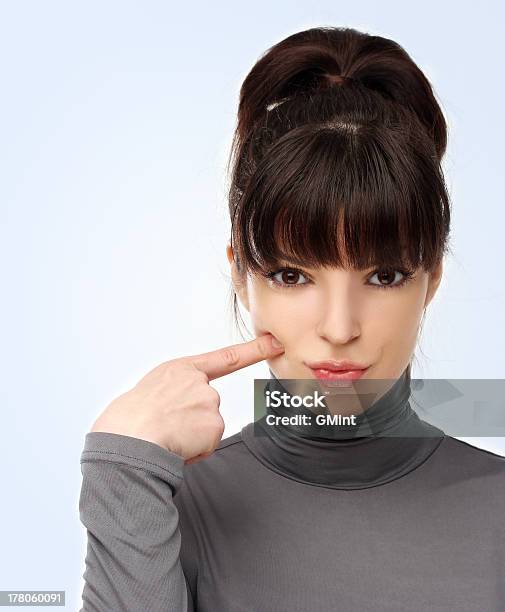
(170, 368)
(195, 375)
(179, 363)
(230, 356)
(220, 425)
(263, 348)
(171, 363)
(214, 396)
(216, 422)
(201, 376)
(217, 429)
(207, 399)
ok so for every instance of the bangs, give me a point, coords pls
(346, 195)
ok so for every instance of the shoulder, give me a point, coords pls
(232, 440)
(229, 459)
(230, 453)
(465, 462)
(463, 449)
(217, 481)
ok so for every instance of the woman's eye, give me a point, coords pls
(287, 278)
(386, 278)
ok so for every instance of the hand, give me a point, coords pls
(175, 407)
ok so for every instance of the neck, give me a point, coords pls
(387, 441)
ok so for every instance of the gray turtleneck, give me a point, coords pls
(405, 519)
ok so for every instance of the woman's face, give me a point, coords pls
(371, 317)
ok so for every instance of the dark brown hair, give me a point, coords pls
(336, 157)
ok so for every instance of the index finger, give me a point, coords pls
(231, 358)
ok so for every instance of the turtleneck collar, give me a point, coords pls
(388, 441)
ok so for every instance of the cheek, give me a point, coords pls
(395, 322)
(399, 315)
(274, 321)
(262, 313)
(280, 314)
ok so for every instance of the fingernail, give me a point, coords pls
(276, 343)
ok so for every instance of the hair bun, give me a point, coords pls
(322, 58)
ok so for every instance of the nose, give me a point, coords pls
(338, 322)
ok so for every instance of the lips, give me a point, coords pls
(331, 369)
(336, 365)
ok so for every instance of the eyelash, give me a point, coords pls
(407, 276)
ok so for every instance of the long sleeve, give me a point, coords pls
(126, 504)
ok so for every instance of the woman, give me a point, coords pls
(339, 225)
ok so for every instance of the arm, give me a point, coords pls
(134, 541)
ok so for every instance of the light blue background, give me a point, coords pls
(116, 121)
